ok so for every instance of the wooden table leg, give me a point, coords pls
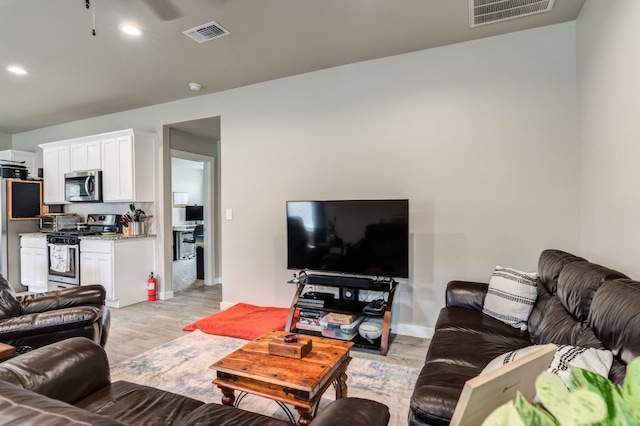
(228, 397)
(305, 416)
(341, 386)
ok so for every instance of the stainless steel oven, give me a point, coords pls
(83, 186)
(63, 254)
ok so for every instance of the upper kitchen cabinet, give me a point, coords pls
(24, 158)
(125, 158)
(127, 167)
(55, 162)
(85, 156)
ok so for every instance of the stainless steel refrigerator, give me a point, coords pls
(20, 205)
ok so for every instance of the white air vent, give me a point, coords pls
(487, 11)
(206, 32)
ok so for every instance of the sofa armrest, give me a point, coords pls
(68, 371)
(91, 295)
(466, 294)
(51, 321)
(353, 412)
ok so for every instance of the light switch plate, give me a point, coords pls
(229, 214)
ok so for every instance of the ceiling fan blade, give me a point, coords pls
(164, 9)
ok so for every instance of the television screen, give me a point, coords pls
(193, 213)
(361, 237)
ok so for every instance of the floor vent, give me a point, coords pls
(483, 12)
(206, 32)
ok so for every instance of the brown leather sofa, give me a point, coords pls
(68, 383)
(579, 303)
(36, 320)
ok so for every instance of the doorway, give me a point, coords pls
(193, 161)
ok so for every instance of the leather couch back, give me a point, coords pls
(584, 304)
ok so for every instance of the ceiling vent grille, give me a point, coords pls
(206, 32)
(483, 12)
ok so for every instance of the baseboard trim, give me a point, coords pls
(165, 295)
(414, 330)
(226, 305)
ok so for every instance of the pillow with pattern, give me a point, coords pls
(511, 296)
(596, 360)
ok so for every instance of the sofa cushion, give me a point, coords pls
(464, 342)
(222, 415)
(615, 320)
(551, 263)
(134, 404)
(511, 296)
(578, 282)
(9, 306)
(22, 407)
(596, 360)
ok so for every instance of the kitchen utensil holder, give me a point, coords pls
(137, 228)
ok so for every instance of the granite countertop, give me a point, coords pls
(33, 234)
(117, 237)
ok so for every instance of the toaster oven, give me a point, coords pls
(57, 222)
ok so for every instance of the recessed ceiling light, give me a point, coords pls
(130, 29)
(15, 69)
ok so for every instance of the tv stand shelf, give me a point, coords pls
(348, 307)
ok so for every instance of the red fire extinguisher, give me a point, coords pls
(152, 287)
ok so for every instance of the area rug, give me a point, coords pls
(182, 366)
(243, 321)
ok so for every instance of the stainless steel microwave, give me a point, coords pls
(83, 186)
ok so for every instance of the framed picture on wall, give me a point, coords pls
(180, 199)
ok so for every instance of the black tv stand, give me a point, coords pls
(347, 306)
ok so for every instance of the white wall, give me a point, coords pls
(5, 141)
(479, 136)
(608, 42)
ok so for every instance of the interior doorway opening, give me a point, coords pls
(193, 193)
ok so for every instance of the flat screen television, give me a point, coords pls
(193, 213)
(360, 237)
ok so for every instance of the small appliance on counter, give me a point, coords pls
(103, 223)
(54, 222)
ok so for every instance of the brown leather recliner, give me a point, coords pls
(36, 320)
(68, 383)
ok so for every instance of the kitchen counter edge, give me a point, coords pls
(117, 237)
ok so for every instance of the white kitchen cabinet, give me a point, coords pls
(126, 158)
(55, 161)
(33, 262)
(85, 156)
(29, 159)
(121, 266)
(128, 167)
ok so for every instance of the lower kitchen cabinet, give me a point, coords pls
(33, 262)
(121, 266)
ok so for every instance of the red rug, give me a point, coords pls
(243, 321)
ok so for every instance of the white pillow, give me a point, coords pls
(596, 360)
(511, 296)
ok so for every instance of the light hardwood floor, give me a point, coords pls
(140, 327)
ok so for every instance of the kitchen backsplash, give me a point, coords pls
(84, 209)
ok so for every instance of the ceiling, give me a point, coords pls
(74, 75)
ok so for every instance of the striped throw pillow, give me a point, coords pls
(511, 296)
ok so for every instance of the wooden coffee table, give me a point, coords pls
(299, 382)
